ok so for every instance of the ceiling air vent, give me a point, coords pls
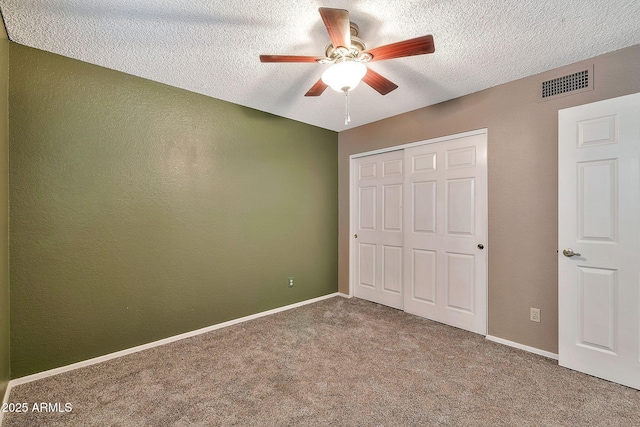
(568, 84)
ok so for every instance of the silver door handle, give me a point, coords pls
(569, 253)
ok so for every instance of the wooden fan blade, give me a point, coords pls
(417, 46)
(317, 89)
(288, 58)
(337, 23)
(378, 82)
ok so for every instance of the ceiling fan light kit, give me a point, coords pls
(348, 54)
(344, 76)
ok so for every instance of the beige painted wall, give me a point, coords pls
(522, 172)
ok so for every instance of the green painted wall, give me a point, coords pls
(5, 374)
(141, 211)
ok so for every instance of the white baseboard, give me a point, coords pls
(56, 371)
(523, 347)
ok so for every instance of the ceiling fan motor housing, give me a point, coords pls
(356, 52)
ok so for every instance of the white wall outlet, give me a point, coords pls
(534, 314)
(291, 282)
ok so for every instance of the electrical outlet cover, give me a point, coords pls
(534, 314)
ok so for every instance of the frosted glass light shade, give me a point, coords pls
(344, 76)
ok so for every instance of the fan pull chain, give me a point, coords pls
(347, 116)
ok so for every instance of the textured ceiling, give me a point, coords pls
(212, 47)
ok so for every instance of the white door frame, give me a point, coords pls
(353, 199)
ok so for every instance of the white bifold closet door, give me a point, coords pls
(445, 264)
(419, 218)
(378, 228)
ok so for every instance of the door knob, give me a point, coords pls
(355, 236)
(568, 252)
(480, 246)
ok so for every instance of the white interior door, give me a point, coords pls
(599, 239)
(378, 228)
(445, 263)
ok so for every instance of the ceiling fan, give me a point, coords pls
(348, 54)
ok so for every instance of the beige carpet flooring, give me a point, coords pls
(337, 362)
